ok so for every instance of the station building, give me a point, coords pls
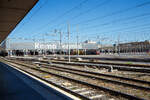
(130, 48)
(135, 47)
(87, 46)
(52, 47)
(142, 47)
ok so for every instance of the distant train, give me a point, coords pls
(86, 52)
(48, 52)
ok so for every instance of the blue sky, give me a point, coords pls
(110, 20)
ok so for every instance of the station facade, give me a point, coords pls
(130, 47)
(135, 47)
(51, 48)
(87, 47)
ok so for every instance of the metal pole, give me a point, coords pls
(43, 45)
(77, 44)
(34, 46)
(99, 42)
(119, 44)
(60, 41)
(68, 43)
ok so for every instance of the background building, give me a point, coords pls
(135, 47)
(51, 48)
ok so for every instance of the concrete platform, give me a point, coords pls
(15, 85)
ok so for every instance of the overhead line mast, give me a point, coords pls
(68, 42)
(60, 40)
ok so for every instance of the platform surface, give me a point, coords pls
(15, 85)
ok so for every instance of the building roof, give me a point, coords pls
(135, 43)
(11, 13)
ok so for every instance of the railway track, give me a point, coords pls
(132, 73)
(96, 61)
(119, 66)
(107, 66)
(45, 76)
(100, 76)
(60, 72)
(90, 70)
(106, 59)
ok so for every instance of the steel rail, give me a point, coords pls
(100, 74)
(103, 79)
(113, 92)
(123, 68)
(54, 84)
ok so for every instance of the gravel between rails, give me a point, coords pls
(134, 75)
(128, 90)
(57, 79)
(97, 76)
(121, 73)
(135, 92)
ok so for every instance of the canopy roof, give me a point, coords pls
(11, 13)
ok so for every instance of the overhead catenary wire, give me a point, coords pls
(33, 14)
(116, 21)
(87, 11)
(117, 12)
(126, 33)
(84, 12)
(114, 13)
(124, 28)
(62, 15)
(91, 9)
(121, 11)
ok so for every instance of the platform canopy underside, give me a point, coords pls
(11, 13)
